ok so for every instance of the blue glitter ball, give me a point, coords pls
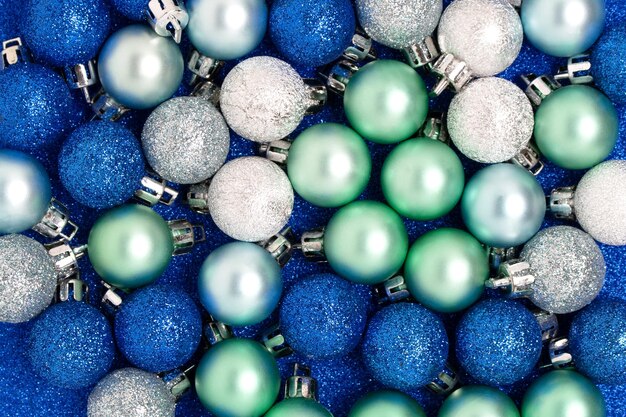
(608, 63)
(405, 346)
(132, 9)
(65, 32)
(498, 341)
(71, 345)
(158, 328)
(36, 108)
(597, 341)
(324, 316)
(101, 164)
(10, 18)
(311, 32)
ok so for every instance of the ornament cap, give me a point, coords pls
(274, 341)
(154, 191)
(446, 381)
(312, 245)
(317, 95)
(113, 298)
(280, 246)
(179, 382)
(499, 255)
(529, 158)
(56, 222)
(392, 290)
(72, 288)
(515, 277)
(452, 73)
(106, 108)
(577, 70)
(548, 322)
(435, 127)
(539, 87)
(14, 52)
(198, 197)
(167, 18)
(361, 48)
(561, 203)
(216, 331)
(338, 74)
(65, 258)
(209, 91)
(185, 235)
(203, 67)
(421, 54)
(81, 77)
(558, 354)
(301, 384)
(276, 151)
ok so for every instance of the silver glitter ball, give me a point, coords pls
(600, 202)
(185, 140)
(399, 23)
(490, 120)
(486, 34)
(131, 392)
(250, 199)
(27, 278)
(264, 99)
(568, 268)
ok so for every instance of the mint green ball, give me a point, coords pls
(422, 179)
(298, 407)
(386, 101)
(387, 403)
(478, 400)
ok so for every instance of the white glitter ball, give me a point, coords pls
(27, 278)
(185, 140)
(490, 120)
(568, 268)
(250, 199)
(264, 99)
(486, 34)
(130, 392)
(399, 23)
(600, 202)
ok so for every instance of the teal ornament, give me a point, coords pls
(298, 407)
(478, 400)
(386, 403)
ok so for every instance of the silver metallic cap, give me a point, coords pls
(56, 222)
(577, 70)
(301, 384)
(167, 18)
(274, 341)
(13, 52)
(154, 191)
(538, 88)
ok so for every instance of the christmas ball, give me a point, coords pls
(477, 400)
(607, 62)
(298, 407)
(386, 403)
(132, 9)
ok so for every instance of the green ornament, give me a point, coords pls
(478, 401)
(130, 246)
(576, 127)
(365, 242)
(386, 101)
(446, 270)
(422, 179)
(298, 407)
(563, 393)
(237, 378)
(329, 165)
(387, 404)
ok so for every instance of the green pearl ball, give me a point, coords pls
(563, 393)
(446, 270)
(387, 404)
(576, 127)
(329, 165)
(386, 101)
(478, 401)
(298, 407)
(237, 378)
(130, 246)
(365, 242)
(422, 179)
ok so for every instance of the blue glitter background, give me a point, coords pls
(343, 380)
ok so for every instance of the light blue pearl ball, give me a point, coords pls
(24, 192)
(226, 29)
(139, 68)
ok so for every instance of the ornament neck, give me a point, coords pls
(558, 355)
(446, 382)
(392, 290)
(452, 73)
(14, 52)
(529, 158)
(514, 277)
(280, 246)
(337, 75)
(56, 222)
(422, 54)
(276, 151)
(497, 256)
(72, 289)
(317, 95)
(561, 203)
(548, 322)
(274, 341)
(167, 18)
(185, 235)
(178, 382)
(538, 88)
(301, 384)
(312, 244)
(65, 258)
(113, 298)
(82, 77)
(106, 108)
(216, 331)
(154, 191)
(361, 48)
(577, 70)
(435, 127)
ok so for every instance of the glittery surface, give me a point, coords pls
(130, 392)
(158, 328)
(597, 340)
(600, 202)
(568, 268)
(490, 120)
(263, 99)
(101, 164)
(250, 199)
(132, 9)
(498, 341)
(608, 63)
(27, 278)
(324, 315)
(322, 29)
(36, 108)
(10, 19)
(65, 32)
(405, 346)
(71, 345)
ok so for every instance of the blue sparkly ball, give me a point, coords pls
(65, 32)
(158, 328)
(132, 9)
(71, 345)
(608, 63)
(498, 341)
(101, 164)
(10, 18)
(311, 32)
(36, 108)
(324, 316)
(405, 346)
(597, 341)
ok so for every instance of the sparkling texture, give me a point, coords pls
(185, 140)
(486, 34)
(568, 268)
(27, 278)
(101, 164)
(405, 346)
(131, 392)
(250, 199)
(498, 341)
(71, 345)
(600, 202)
(491, 120)
(132, 9)
(263, 99)
(608, 63)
